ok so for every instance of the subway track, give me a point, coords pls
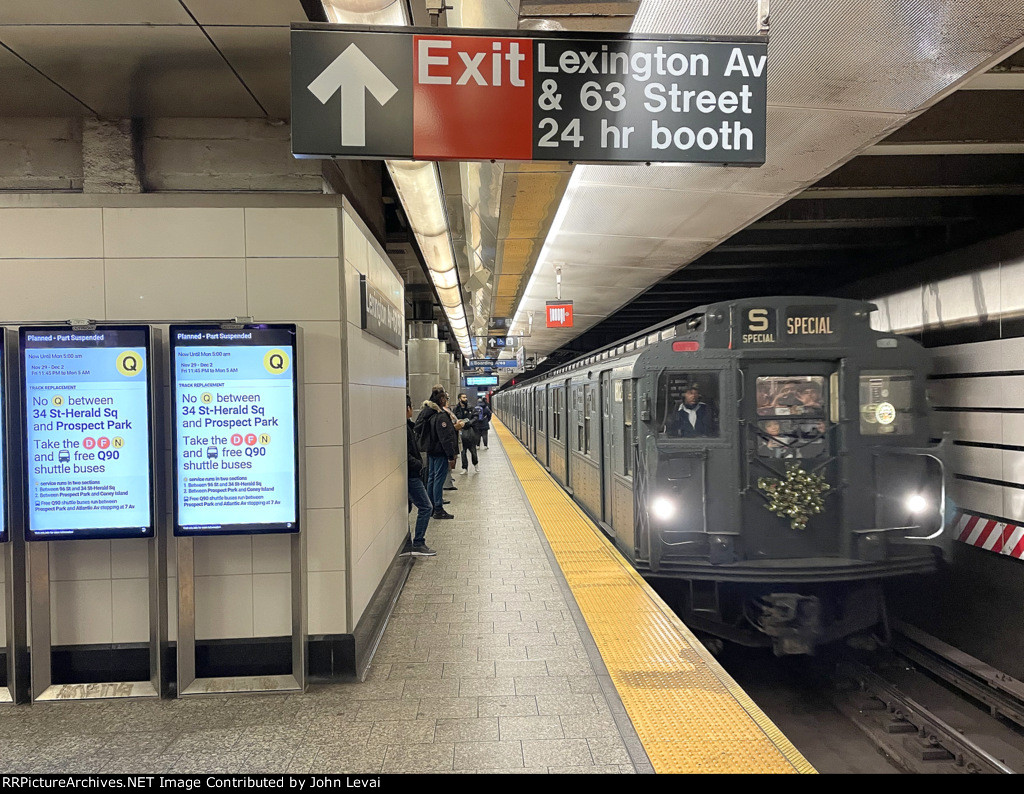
(915, 706)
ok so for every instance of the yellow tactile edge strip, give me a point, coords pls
(689, 713)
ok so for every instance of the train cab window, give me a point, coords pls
(886, 402)
(791, 438)
(788, 395)
(689, 404)
(792, 416)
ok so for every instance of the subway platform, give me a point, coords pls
(487, 665)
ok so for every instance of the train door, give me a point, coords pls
(545, 407)
(790, 439)
(607, 455)
(534, 394)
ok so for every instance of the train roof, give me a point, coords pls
(666, 329)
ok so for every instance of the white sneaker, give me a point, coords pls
(465, 471)
(475, 469)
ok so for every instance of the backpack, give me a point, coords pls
(423, 434)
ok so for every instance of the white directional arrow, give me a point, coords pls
(353, 74)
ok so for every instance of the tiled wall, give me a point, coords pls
(978, 390)
(375, 423)
(153, 263)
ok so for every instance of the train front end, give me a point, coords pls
(787, 470)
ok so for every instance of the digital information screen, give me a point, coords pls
(86, 414)
(235, 442)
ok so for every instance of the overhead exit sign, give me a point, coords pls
(420, 93)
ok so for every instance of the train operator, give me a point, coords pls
(693, 418)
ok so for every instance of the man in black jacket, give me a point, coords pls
(417, 491)
(482, 422)
(435, 430)
(469, 436)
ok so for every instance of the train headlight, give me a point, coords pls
(663, 508)
(916, 503)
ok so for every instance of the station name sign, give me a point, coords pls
(402, 93)
(380, 317)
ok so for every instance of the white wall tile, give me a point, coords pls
(223, 607)
(1013, 505)
(364, 528)
(271, 553)
(980, 427)
(180, 289)
(327, 603)
(974, 357)
(360, 405)
(79, 560)
(353, 296)
(40, 233)
(223, 555)
(354, 244)
(1013, 466)
(1013, 429)
(130, 598)
(325, 485)
(977, 497)
(80, 612)
(325, 540)
(129, 559)
(323, 415)
(360, 457)
(321, 343)
(3, 613)
(291, 232)
(272, 604)
(294, 289)
(52, 289)
(374, 363)
(977, 462)
(174, 232)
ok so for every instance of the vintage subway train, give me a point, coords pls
(772, 456)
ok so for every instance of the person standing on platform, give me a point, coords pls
(483, 419)
(468, 436)
(435, 431)
(449, 483)
(417, 491)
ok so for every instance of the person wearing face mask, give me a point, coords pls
(465, 414)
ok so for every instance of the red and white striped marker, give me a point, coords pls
(991, 535)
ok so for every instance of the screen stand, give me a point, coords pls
(16, 690)
(43, 688)
(188, 683)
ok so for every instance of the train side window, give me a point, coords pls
(791, 395)
(627, 427)
(886, 402)
(688, 404)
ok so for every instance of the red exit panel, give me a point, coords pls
(472, 98)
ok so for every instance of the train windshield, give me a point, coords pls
(791, 416)
(688, 404)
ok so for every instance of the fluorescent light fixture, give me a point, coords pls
(419, 187)
(365, 12)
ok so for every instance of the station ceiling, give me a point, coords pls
(894, 133)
